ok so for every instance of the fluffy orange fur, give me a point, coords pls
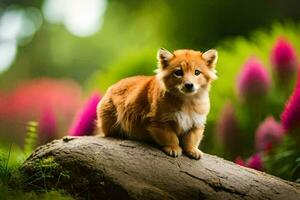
(169, 108)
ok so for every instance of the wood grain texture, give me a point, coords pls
(107, 168)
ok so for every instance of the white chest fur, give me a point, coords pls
(188, 120)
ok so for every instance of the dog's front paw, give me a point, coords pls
(194, 153)
(173, 151)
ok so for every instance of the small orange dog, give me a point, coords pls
(169, 108)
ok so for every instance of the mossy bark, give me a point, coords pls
(106, 168)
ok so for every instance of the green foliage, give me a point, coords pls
(233, 54)
(11, 180)
(55, 52)
(204, 24)
(131, 64)
(47, 169)
(8, 194)
(11, 157)
(31, 137)
(284, 161)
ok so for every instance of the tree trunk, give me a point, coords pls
(107, 168)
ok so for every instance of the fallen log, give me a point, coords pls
(107, 168)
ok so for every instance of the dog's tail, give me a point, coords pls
(84, 123)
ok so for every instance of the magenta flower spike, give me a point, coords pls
(290, 117)
(283, 59)
(253, 80)
(47, 125)
(84, 123)
(240, 161)
(255, 162)
(268, 134)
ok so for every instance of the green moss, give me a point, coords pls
(47, 162)
(50, 171)
(12, 181)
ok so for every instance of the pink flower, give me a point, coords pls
(290, 118)
(253, 80)
(254, 162)
(36, 100)
(283, 59)
(29, 98)
(84, 123)
(228, 130)
(268, 134)
(240, 161)
(47, 125)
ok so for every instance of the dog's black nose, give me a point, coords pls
(189, 86)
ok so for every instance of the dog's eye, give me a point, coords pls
(197, 72)
(178, 72)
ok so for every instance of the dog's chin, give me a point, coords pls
(188, 92)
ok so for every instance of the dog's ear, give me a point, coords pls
(211, 57)
(163, 57)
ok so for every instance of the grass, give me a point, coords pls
(12, 184)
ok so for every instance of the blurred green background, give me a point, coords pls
(54, 54)
(124, 28)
